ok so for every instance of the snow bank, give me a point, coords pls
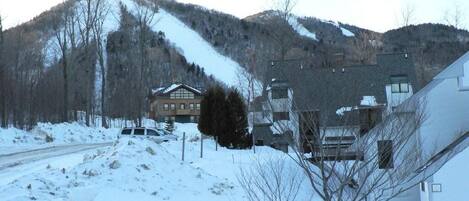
(300, 29)
(46, 134)
(138, 168)
(190, 44)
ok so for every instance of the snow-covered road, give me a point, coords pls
(16, 165)
(19, 158)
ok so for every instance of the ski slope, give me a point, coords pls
(190, 44)
(300, 29)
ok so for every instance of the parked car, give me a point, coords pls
(155, 134)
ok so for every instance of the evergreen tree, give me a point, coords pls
(205, 120)
(236, 123)
(213, 112)
(218, 104)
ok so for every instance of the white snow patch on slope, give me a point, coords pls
(190, 44)
(345, 31)
(300, 29)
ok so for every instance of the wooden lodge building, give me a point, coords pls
(178, 102)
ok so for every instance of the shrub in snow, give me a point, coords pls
(49, 138)
(130, 143)
(150, 151)
(115, 165)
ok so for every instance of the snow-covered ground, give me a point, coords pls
(131, 168)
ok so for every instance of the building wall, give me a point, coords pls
(158, 112)
(454, 179)
(446, 115)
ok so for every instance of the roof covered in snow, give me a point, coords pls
(166, 90)
(329, 89)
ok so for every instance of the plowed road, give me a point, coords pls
(15, 159)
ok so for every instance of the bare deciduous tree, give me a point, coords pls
(101, 10)
(145, 16)
(455, 16)
(62, 26)
(4, 121)
(273, 179)
(282, 32)
(407, 15)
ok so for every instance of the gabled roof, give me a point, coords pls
(166, 90)
(329, 89)
(455, 69)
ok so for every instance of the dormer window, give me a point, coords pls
(399, 84)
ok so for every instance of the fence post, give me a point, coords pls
(201, 145)
(183, 144)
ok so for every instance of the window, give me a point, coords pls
(279, 116)
(436, 188)
(166, 119)
(399, 84)
(126, 131)
(182, 106)
(152, 132)
(191, 106)
(173, 106)
(369, 118)
(464, 80)
(182, 94)
(139, 131)
(198, 106)
(166, 106)
(279, 93)
(192, 119)
(173, 118)
(385, 154)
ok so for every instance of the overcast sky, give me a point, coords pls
(377, 15)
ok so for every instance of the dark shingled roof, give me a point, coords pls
(328, 89)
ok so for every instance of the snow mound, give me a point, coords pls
(127, 170)
(300, 29)
(46, 135)
(190, 44)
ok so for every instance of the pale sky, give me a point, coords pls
(377, 15)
